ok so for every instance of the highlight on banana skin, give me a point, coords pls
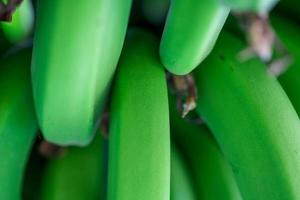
(149, 100)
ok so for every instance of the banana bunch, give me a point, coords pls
(253, 120)
(149, 100)
(75, 52)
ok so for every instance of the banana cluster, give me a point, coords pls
(150, 100)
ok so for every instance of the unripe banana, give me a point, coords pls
(211, 173)
(76, 49)
(18, 124)
(182, 187)
(22, 22)
(288, 33)
(258, 6)
(190, 32)
(139, 152)
(253, 121)
(77, 174)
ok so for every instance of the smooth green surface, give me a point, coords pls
(253, 121)
(22, 22)
(212, 176)
(289, 35)
(190, 32)
(181, 182)
(76, 49)
(259, 6)
(139, 157)
(77, 174)
(18, 124)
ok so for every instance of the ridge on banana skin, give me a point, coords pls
(76, 49)
(22, 23)
(18, 124)
(258, 6)
(253, 121)
(139, 141)
(77, 174)
(181, 180)
(191, 30)
(288, 34)
(211, 174)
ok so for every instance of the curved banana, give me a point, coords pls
(210, 172)
(253, 121)
(18, 124)
(258, 6)
(181, 182)
(288, 33)
(22, 23)
(190, 32)
(77, 174)
(76, 49)
(139, 152)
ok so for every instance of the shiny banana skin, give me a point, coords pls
(211, 174)
(182, 187)
(288, 34)
(77, 174)
(191, 30)
(258, 6)
(22, 23)
(76, 49)
(139, 139)
(253, 121)
(18, 124)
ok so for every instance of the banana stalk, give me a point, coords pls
(18, 124)
(76, 49)
(253, 121)
(139, 152)
(77, 174)
(190, 32)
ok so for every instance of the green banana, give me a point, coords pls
(18, 124)
(211, 173)
(288, 33)
(181, 182)
(190, 32)
(139, 152)
(77, 174)
(22, 23)
(253, 121)
(76, 49)
(258, 6)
